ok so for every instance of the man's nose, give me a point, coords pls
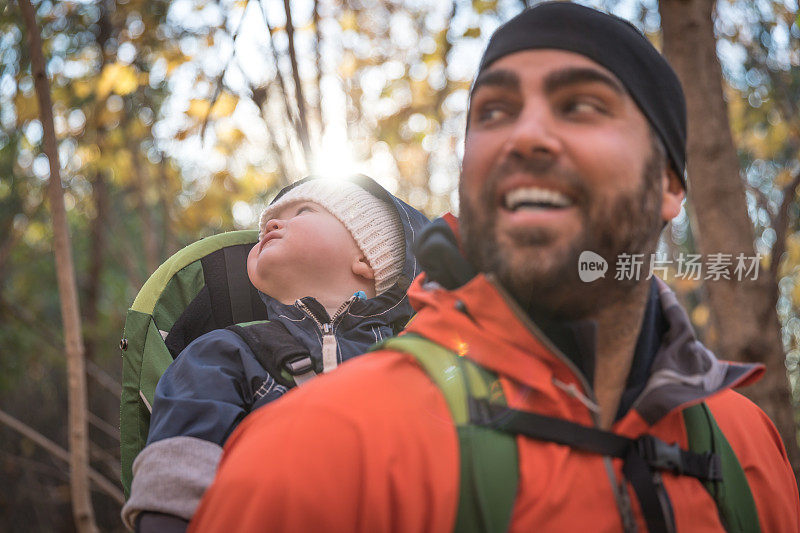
(534, 134)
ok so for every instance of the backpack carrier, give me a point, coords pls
(200, 288)
(487, 430)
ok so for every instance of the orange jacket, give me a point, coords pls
(372, 447)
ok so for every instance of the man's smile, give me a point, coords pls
(527, 202)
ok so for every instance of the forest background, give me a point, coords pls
(167, 121)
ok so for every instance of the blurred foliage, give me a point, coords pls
(765, 117)
(179, 119)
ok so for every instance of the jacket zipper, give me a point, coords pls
(329, 358)
(620, 494)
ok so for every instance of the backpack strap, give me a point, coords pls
(734, 499)
(482, 416)
(281, 355)
(234, 299)
(489, 463)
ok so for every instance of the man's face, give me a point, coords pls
(558, 159)
(304, 247)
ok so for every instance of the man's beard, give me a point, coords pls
(546, 281)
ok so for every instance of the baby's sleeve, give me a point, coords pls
(199, 400)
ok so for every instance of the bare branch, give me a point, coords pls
(298, 86)
(111, 462)
(762, 202)
(103, 378)
(260, 98)
(46, 334)
(290, 117)
(102, 482)
(318, 62)
(218, 81)
(104, 426)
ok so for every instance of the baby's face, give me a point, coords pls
(303, 247)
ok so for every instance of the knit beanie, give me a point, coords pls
(613, 43)
(374, 224)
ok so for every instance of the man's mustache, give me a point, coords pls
(538, 168)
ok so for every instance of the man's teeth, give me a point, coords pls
(533, 197)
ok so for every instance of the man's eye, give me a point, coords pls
(492, 113)
(584, 106)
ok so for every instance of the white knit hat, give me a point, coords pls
(374, 225)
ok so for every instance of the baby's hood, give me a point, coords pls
(390, 307)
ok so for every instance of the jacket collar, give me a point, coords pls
(671, 367)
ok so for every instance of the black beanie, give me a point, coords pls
(615, 44)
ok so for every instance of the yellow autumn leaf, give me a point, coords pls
(26, 107)
(172, 64)
(230, 136)
(88, 153)
(796, 295)
(82, 88)
(472, 33)
(348, 66)
(482, 6)
(349, 21)
(118, 78)
(224, 106)
(198, 108)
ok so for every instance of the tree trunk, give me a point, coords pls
(149, 236)
(101, 202)
(743, 312)
(67, 290)
(96, 262)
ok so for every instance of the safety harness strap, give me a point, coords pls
(655, 452)
(489, 480)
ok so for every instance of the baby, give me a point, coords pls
(332, 265)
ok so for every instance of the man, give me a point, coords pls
(575, 142)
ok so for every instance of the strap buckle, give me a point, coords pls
(713, 464)
(659, 454)
(299, 366)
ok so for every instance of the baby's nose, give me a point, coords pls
(275, 223)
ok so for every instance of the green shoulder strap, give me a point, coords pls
(735, 503)
(489, 463)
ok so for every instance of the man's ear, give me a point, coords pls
(672, 194)
(361, 268)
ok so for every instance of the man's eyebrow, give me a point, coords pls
(500, 78)
(576, 75)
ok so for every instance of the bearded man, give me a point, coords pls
(520, 396)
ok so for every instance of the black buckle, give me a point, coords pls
(479, 411)
(659, 454)
(714, 466)
(299, 366)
